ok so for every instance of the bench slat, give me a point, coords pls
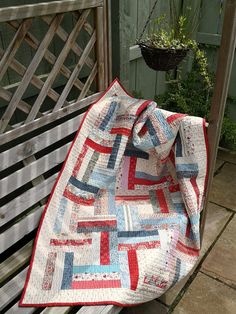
(56, 310)
(20, 310)
(32, 10)
(37, 143)
(12, 289)
(20, 229)
(15, 261)
(29, 198)
(33, 170)
(48, 118)
(101, 309)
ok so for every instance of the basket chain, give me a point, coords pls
(148, 20)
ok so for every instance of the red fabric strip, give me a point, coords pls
(174, 188)
(97, 147)
(143, 130)
(162, 201)
(79, 160)
(133, 269)
(57, 242)
(141, 181)
(175, 116)
(95, 284)
(138, 246)
(104, 249)
(132, 197)
(186, 249)
(97, 223)
(143, 106)
(123, 131)
(78, 200)
(132, 167)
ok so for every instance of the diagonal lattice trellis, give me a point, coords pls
(41, 50)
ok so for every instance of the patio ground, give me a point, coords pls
(211, 287)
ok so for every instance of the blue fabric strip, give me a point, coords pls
(96, 269)
(95, 229)
(115, 149)
(83, 186)
(136, 153)
(60, 215)
(141, 233)
(179, 152)
(68, 271)
(164, 125)
(187, 167)
(152, 132)
(132, 240)
(108, 116)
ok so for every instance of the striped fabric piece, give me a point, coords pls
(122, 223)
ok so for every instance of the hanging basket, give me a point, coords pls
(162, 59)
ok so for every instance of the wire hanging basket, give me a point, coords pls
(160, 59)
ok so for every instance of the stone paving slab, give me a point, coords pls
(218, 164)
(224, 187)
(207, 296)
(221, 262)
(216, 219)
(152, 307)
(227, 156)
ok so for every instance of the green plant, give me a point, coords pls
(177, 34)
(191, 95)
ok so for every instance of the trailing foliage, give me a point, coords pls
(176, 34)
(191, 95)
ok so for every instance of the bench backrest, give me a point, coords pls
(55, 64)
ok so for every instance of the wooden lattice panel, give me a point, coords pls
(71, 52)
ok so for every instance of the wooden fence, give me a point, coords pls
(132, 15)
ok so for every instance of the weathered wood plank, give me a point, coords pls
(101, 309)
(209, 39)
(32, 170)
(36, 81)
(12, 289)
(23, 106)
(32, 10)
(15, 261)
(13, 46)
(88, 82)
(50, 117)
(56, 68)
(29, 73)
(20, 310)
(75, 72)
(100, 48)
(64, 35)
(56, 310)
(49, 56)
(37, 143)
(27, 199)
(218, 102)
(134, 53)
(20, 229)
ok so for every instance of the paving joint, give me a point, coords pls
(197, 270)
(217, 279)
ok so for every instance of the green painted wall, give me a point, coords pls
(128, 18)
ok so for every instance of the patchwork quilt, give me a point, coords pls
(122, 222)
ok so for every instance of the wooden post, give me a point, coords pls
(224, 67)
(100, 48)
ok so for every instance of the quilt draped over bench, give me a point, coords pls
(122, 222)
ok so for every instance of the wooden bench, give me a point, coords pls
(34, 148)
